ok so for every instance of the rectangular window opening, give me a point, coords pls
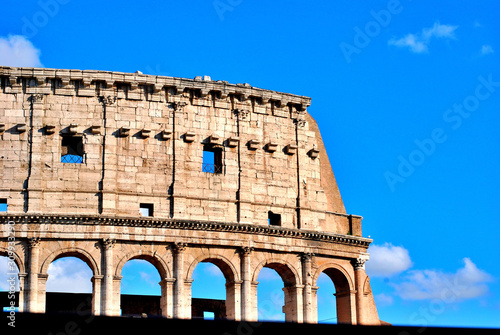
(146, 209)
(3, 205)
(212, 160)
(208, 315)
(72, 149)
(273, 219)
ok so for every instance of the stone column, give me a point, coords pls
(293, 303)
(246, 284)
(179, 284)
(96, 294)
(314, 313)
(22, 290)
(116, 306)
(107, 291)
(41, 294)
(306, 259)
(233, 303)
(34, 251)
(359, 278)
(166, 301)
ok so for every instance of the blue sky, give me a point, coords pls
(406, 94)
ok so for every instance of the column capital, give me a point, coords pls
(301, 123)
(34, 242)
(178, 106)
(108, 99)
(359, 263)
(178, 247)
(306, 256)
(108, 243)
(245, 251)
(241, 113)
(36, 97)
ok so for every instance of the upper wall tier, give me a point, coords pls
(121, 144)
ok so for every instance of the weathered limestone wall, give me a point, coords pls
(143, 138)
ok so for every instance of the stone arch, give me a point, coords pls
(286, 271)
(153, 258)
(79, 253)
(291, 282)
(338, 274)
(16, 258)
(344, 291)
(227, 268)
(231, 275)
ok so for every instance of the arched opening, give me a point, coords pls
(140, 290)
(214, 289)
(277, 293)
(270, 296)
(208, 292)
(9, 285)
(327, 309)
(69, 286)
(334, 282)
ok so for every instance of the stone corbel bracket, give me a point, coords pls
(291, 149)
(165, 135)
(90, 83)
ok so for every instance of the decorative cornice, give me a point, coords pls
(243, 228)
(44, 77)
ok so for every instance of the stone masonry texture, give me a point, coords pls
(137, 144)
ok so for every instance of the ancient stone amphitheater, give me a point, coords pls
(110, 166)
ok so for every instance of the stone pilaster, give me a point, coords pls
(306, 259)
(246, 285)
(359, 278)
(107, 291)
(34, 251)
(180, 300)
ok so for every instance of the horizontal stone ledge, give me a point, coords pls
(188, 225)
(41, 75)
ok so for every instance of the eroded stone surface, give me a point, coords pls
(268, 198)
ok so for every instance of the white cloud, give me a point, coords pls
(467, 283)
(70, 275)
(383, 300)
(486, 50)
(16, 50)
(8, 269)
(387, 260)
(419, 43)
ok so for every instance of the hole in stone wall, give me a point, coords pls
(146, 209)
(212, 159)
(3, 205)
(72, 149)
(273, 219)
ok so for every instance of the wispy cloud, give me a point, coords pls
(70, 275)
(467, 283)
(16, 50)
(387, 260)
(419, 42)
(486, 49)
(6, 272)
(383, 300)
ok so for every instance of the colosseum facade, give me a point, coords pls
(110, 166)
